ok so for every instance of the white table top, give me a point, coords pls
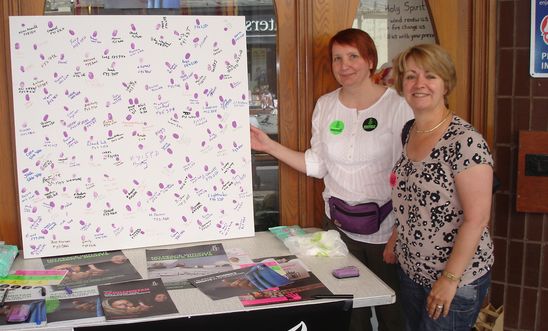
(368, 289)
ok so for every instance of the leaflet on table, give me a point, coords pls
(22, 308)
(92, 268)
(136, 299)
(176, 265)
(239, 282)
(81, 306)
(304, 286)
(237, 257)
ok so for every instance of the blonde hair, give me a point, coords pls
(430, 57)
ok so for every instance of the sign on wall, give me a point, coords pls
(131, 131)
(538, 66)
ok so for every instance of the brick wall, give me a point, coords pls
(520, 273)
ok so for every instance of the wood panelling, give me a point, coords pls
(452, 22)
(9, 214)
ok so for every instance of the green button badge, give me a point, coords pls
(336, 127)
(370, 124)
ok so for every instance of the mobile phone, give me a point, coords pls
(18, 313)
(346, 272)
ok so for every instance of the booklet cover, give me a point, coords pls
(304, 284)
(135, 299)
(92, 268)
(22, 308)
(176, 265)
(239, 282)
(81, 306)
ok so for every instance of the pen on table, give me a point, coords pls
(68, 289)
(333, 296)
(4, 297)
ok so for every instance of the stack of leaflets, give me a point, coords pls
(175, 266)
(239, 282)
(22, 308)
(304, 284)
(80, 306)
(136, 299)
(92, 269)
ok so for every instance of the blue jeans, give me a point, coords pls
(462, 314)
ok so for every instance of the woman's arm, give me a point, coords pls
(474, 192)
(260, 141)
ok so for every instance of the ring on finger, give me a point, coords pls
(439, 307)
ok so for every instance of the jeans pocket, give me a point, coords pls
(465, 299)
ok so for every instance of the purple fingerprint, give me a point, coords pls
(199, 222)
(66, 108)
(161, 185)
(170, 165)
(203, 143)
(176, 33)
(128, 207)
(66, 92)
(125, 191)
(94, 34)
(45, 91)
(82, 222)
(197, 114)
(196, 76)
(221, 98)
(234, 124)
(133, 27)
(98, 230)
(52, 204)
(90, 75)
(219, 225)
(195, 95)
(187, 159)
(35, 47)
(243, 96)
(219, 146)
(140, 146)
(45, 231)
(71, 32)
(135, 182)
(173, 230)
(66, 227)
(226, 29)
(77, 68)
(132, 45)
(171, 81)
(62, 56)
(167, 64)
(221, 77)
(42, 57)
(134, 133)
(219, 116)
(197, 22)
(34, 210)
(130, 101)
(46, 189)
(232, 171)
(214, 188)
(22, 68)
(206, 168)
(205, 209)
(50, 24)
(139, 204)
(65, 134)
(190, 176)
(184, 218)
(106, 52)
(88, 205)
(128, 117)
(215, 44)
(169, 151)
(205, 92)
(110, 133)
(187, 56)
(136, 101)
(27, 97)
(196, 39)
(234, 144)
(175, 135)
(114, 33)
(109, 116)
(233, 41)
(149, 193)
(108, 204)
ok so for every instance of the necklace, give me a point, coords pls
(435, 127)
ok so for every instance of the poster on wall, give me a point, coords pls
(538, 64)
(131, 131)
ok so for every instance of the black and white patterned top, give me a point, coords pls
(427, 208)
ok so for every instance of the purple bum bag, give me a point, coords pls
(365, 218)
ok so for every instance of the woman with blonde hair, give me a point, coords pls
(441, 195)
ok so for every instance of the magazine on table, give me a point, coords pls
(304, 284)
(239, 282)
(81, 306)
(22, 308)
(136, 299)
(176, 265)
(92, 269)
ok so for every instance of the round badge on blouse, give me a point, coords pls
(336, 127)
(370, 124)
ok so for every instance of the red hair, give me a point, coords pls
(359, 39)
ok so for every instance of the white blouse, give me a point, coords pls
(354, 152)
